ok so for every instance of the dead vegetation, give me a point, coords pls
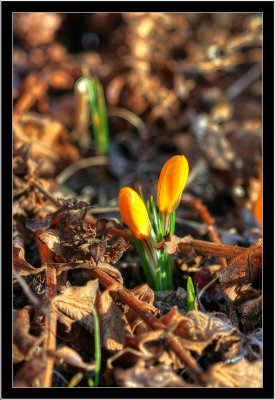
(174, 84)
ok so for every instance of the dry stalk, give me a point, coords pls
(210, 249)
(50, 319)
(197, 205)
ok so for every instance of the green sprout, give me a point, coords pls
(191, 296)
(97, 345)
(76, 379)
(97, 111)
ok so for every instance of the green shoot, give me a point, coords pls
(76, 379)
(91, 382)
(97, 343)
(98, 113)
(191, 297)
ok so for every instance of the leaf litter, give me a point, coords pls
(70, 259)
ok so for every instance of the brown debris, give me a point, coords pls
(66, 355)
(240, 374)
(32, 373)
(25, 344)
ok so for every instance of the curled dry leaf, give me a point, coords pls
(112, 271)
(52, 240)
(195, 329)
(70, 357)
(146, 296)
(74, 303)
(154, 376)
(34, 224)
(114, 327)
(48, 139)
(19, 263)
(240, 374)
(24, 343)
(245, 267)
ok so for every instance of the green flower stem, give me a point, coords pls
(147, 268)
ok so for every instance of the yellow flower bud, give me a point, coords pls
(134, 213)
(171, 183)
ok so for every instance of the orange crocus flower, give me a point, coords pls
(171, 183)
(134, 213)
(258, 206)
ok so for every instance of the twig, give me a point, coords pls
(194, 369)
(245, 81)
(50, 320)
(45, 192)
(101, 210)
(197, 205)
(84, 163)
(130, 117)
(210, 249)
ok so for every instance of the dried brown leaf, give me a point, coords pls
(195, 329)
(114, 251)
(34, 224)
(114, 327)
(19, 263)
(112, 271)
(240, 374)
(70, 357)
(24, 342)
(52, 240)
(32, 372)
(155, 376)
(146, 296)
(171, 246)
(98, 250)
(74, 302)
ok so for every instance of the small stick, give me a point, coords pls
(210, 249)
(197, 205)
(45, 192)
(51, 319)
(194, 369)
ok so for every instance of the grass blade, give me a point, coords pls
(97, 343)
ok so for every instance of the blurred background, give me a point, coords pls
(179, 83)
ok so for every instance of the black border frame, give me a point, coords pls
(265, 7)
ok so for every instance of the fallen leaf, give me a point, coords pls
(19, 263)
(24, 342)
(146, 296)
(52, 240)
(114, 327)
(98, 250)
(74, 302)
